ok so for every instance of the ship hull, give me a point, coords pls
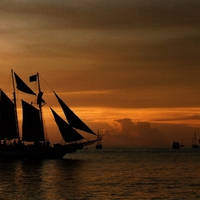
(32, 152)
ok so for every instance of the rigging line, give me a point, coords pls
(46, 88)
(46, 83)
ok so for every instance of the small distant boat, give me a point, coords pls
(33, 143)
(176, 145)
(99, 145)
(194, 143)
(182, 145)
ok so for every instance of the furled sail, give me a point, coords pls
(72, 118)
(8, 127)
(32, 129)
(67, 132)
(22, 86)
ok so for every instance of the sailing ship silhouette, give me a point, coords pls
(32, 143)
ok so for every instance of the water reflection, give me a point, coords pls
(106, 174)
(48, 179)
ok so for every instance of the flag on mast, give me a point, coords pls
(33, 78)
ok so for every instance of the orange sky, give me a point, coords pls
(116, 63)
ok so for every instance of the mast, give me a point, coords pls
(40, 103)
(15, 104)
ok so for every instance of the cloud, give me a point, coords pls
(124, 132)
(103, 15)
(146, 52)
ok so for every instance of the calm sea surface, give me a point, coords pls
(118, 173)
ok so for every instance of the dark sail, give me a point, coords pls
(31, 126)
(22, 86)
(67, 132)
(8, 127)
(72, 118)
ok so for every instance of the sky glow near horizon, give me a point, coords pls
(116, 63)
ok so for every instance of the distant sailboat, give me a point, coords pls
(32, 143)
(194, 143)
(182, 145)
(99, 145)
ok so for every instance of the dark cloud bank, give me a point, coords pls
(125, 132)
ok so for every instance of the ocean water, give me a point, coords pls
(110, 173)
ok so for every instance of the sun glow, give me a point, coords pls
(189, 116)
(96, 115)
